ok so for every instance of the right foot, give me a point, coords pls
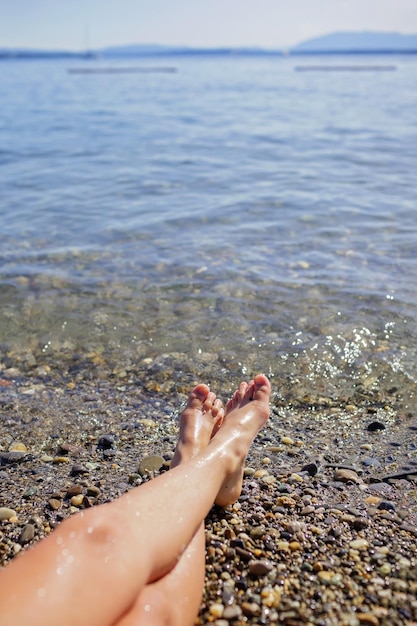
(246, 413)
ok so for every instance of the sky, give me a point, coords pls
(81, 24)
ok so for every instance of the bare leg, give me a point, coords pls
(95, 565)
(174, 599)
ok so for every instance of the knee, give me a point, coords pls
(93, 531)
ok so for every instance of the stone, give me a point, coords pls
(359, 544)
(77, 500)
(74, 490)
(216, 609)
(384, 505)
(368, 619)
(232, 612)
(374, 426)
(250, 609)
(18, 446)
(70, 448)
(151, 464)
(346, 476)
(16, 456)
(55, 504)
(77, 469)
(107, 441)
(260, 568)
(6, 513)
(27, 534)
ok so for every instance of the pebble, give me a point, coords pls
(107, 441)
(16, 456)
(6, 513)
(368, 619)
(287, 441)
(231, 613)
(216, 609)
(260, 568)
(77, 500)
(346, 475)
(27, 534)
(77, 469)
(151, 464)
(18, 446)
(251, 609)
(55, 504)
(329, 578)
(359, 544)
(374, 426)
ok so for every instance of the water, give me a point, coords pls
(236, 214)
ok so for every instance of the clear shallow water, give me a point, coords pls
(235, 213)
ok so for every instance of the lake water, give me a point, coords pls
(236, 213)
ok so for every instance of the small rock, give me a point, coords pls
(151, 464)
(77, 469)
(231, 613)
(216, 609)
(346, 476)
(15, 456)
(368, 619)
(260, 568)
(77, 500)
(386, 506)
(310, 468)
(55, 504)
(6, 513)
(60, 459)
(287, 441)
(107, 441)
(374, 426)
(329, 578)
(27, 534)
(70, 448)
(18, 446)
(359, 544)
(74, 490)
(250, 609)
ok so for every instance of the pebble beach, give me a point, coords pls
(325, 530)
(231, 217)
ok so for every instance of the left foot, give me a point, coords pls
(199, 422)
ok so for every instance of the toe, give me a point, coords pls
(198, 396)
(209, 401)
(262, 388)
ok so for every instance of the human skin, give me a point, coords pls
(108, 564)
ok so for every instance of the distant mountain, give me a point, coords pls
(366, 41)
(342, 42)
(135, 50)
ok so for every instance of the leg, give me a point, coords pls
(96, 564)
(174, 599)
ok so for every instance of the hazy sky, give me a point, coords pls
(71, 24)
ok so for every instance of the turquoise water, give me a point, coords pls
(234, 212)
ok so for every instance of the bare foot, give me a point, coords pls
(246, 413)
(199, 421)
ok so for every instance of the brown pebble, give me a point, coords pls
(77, 500)
(151, 464)
(260, 568)
(27, 534)
(346, 476)
(368, 619)
(74, 490)
(55, 504)
(250, 609)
